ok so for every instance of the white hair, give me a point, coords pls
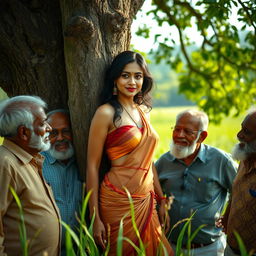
(17, 111)
(59, 110)
(200, 115)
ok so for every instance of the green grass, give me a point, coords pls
(222, 136)
(86, 245)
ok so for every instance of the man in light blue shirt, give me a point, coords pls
(61, 172)
(199, 177)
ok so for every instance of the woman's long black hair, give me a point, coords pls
(115, 70)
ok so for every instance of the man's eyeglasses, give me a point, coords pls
(64, 132)
(187, 131)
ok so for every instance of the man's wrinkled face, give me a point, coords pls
(185, 137)
(61, 136)
(40, 131)
(183, 151)
(247, 138)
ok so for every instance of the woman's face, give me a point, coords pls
(130, 81)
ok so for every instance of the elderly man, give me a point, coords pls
(240, 215)
(61, 172)
(25, 130)
(199, 176)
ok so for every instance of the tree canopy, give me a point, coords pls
(59, 50)
(216, 71)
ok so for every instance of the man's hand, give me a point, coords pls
(221, 223)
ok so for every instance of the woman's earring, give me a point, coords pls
(114, 90)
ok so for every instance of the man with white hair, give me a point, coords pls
(199, 177)
(240, 215)
(61, 171)
(25, 130)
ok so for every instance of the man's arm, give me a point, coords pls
(229, 172)
(222, 221)
(5, 199)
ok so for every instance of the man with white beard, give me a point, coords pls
(61, 171)
(25, 130)
(199, 177)
(240, 215)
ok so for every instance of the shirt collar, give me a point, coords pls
(201, 154)
(20, 153)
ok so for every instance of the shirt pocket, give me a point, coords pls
(206, 189)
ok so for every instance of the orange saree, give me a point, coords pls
(136, 175)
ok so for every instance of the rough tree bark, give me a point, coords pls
(59, 50)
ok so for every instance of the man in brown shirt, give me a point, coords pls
(240, 215)
(25, 130)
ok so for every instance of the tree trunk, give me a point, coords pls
(59, 51)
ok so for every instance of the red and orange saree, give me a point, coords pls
(136, 175)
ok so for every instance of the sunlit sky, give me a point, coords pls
(146, 44)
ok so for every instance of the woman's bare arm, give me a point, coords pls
(100, 125)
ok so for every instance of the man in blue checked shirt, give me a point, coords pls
(61, 172)
(199, 177)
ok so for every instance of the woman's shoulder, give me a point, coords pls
(105, 111)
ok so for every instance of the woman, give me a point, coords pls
(121, 128)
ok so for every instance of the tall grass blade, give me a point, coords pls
(161, 248)
(74, 237)
(241, 245)
(90, 243)
(69, 245)
(22, 227)
(108, 244)
(137, 249)
(181, 235)
(180, 238)
(82, 237)
(119, 248)
(142, 247)
(175, 225)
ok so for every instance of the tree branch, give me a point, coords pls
(248, 15)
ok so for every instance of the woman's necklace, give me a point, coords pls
(131, 117)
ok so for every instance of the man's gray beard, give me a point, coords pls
(62, 155)
(243, 153)
(181, 152)
(38, 142)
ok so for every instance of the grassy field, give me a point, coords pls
(222, 136)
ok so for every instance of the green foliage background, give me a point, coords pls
(216, 70)
(222, 136)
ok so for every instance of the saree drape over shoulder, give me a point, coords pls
(136, 175)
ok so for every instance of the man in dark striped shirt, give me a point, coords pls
(240, 215)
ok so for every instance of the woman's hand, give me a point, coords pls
(165, 206)
(164, 217)
(99, 233)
